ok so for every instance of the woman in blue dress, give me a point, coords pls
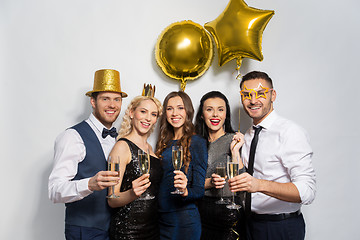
(179, 216)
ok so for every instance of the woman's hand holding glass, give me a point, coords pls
(144, 165)
(180, 183)
(180, 179)
(140, 184)
(217, 181)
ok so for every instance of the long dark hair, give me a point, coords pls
(166, 133)
(200, 126)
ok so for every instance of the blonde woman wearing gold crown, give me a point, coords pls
(134, 216)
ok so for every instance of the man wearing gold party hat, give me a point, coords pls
(79, 177)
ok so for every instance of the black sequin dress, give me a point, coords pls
(138, 219)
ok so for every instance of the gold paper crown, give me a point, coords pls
(148, 90)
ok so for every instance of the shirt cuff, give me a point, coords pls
(83, 187)
(306, 194)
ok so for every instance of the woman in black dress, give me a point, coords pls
(134, 218)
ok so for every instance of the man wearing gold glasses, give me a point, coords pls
(277, 154)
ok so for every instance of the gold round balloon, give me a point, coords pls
(184, 51)
(238, 32)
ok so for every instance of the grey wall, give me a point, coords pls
(51, 49)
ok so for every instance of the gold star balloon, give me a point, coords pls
(238, 32)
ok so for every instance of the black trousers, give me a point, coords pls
(84, 233)
(288, 229)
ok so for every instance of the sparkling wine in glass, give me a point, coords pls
(144, 165)
(232, 170)
(113, 165)
(221, 171)
(177, 161)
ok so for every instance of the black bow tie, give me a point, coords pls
(112, 132)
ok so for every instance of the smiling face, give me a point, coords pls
(214, 114)
(175, 112)
(106, 107)
(257, 108)
(144, 116)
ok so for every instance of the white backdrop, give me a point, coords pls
(49, 51)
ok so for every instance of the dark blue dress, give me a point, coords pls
(179, 216)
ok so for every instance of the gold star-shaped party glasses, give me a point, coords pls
(248, 93)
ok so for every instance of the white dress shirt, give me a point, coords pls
(283, 154)
(69, 151)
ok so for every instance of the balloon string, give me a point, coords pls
(183, 84)
(239, 77)
(238, 62)
(239, 113)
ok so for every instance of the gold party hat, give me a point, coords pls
(107, 80)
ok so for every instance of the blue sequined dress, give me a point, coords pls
(179, 216)
(138, 219)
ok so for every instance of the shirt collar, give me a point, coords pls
(269, 120)
(98, 125)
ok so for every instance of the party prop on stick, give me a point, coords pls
(259, 92)
(238, 32)
(184, 51)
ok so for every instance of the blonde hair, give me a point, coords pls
(126, 126)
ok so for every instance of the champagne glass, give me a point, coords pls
(232, 170)
(177, 161)
(221, 171)
(144, 165)
(113, 165)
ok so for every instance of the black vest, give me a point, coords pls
(92, 211)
